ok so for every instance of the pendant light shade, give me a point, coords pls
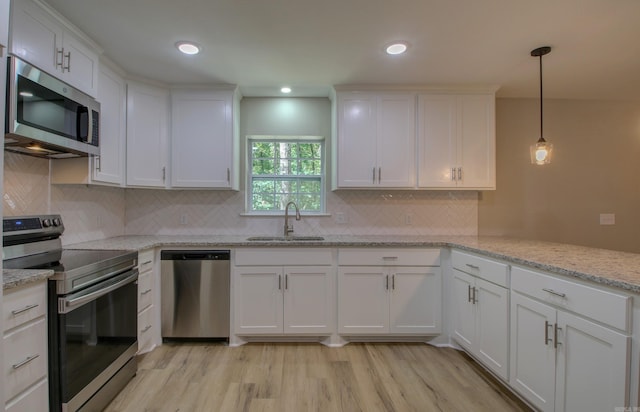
(541, 151)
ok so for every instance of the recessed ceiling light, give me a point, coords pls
(396, 48)
(286, 90)
(188, 47)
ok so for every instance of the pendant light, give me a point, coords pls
(541, 150)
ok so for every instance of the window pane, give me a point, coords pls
(310, 167)
(310, 150)
(263, 201)
(263, 186)
(286, 186)
(309, 202)
(263, 167)
(263, 149)
(282, 200)
(287, 167)
(310, 186)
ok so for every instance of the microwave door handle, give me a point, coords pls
(82, 123)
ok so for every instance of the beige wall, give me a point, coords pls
(595, 169)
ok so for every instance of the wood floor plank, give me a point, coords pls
(283, 377)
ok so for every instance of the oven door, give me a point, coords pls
(95, 334)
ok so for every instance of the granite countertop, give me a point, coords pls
(607, 267)
(13, 278)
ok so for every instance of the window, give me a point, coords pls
(283, 169)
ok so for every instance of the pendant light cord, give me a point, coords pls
(541, 116)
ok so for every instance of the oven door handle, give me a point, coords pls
(70, 302)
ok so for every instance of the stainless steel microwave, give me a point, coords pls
(46, 117)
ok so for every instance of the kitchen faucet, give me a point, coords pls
(288, 228)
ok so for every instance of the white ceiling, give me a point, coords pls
(314, 44)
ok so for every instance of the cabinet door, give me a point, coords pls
(258, 300)
(35, 36)
(463, 309)
(533, 358)
(308, 300)
(476, 143)
(80, 65)
(396, 140)
(147, 115)
(357, 124)
(109, 166)
(201, 139)
(593, 363)
(437, 140)
(363, 302)
(415, 300)
(492, 323)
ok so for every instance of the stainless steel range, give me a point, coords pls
(92, 311)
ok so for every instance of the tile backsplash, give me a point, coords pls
(97, 212)
(365, 213)
(88, 212)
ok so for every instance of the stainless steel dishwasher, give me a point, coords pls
(195, 293)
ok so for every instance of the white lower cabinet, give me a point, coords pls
(481, 320)
(561, 361)
(479, 303)
(25, 348)
(400, 293)
(276, 299)
(147, 333)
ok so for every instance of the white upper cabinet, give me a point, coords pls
(456, 141)
(376, 140)
(40, 36)
(112, 95)
(147, 135)
(202, 138)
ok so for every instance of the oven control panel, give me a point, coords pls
(44, 224)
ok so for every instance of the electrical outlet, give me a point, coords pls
(341, 218)
(607, 218)
(408, 219)
(184, 219)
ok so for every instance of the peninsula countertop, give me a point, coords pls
(613, 268)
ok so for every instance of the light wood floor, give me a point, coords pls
(286, 377)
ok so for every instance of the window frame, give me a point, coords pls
(287, 139)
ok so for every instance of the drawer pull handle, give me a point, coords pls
(24, 362)
(390, 258)
(26, 308)
(473, 266)
(146, 328)
(468, 293)
(553, 292)
(145, 292)
(147, 262)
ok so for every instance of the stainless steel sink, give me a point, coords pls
(285, 238)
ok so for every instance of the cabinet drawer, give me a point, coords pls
(24, 304)
(25, 357)
(487, 269)
(145, 290)
(283, 257)
(36, 398)
(145, 329)
(388, 257)
(603, 306)
(145, 260)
